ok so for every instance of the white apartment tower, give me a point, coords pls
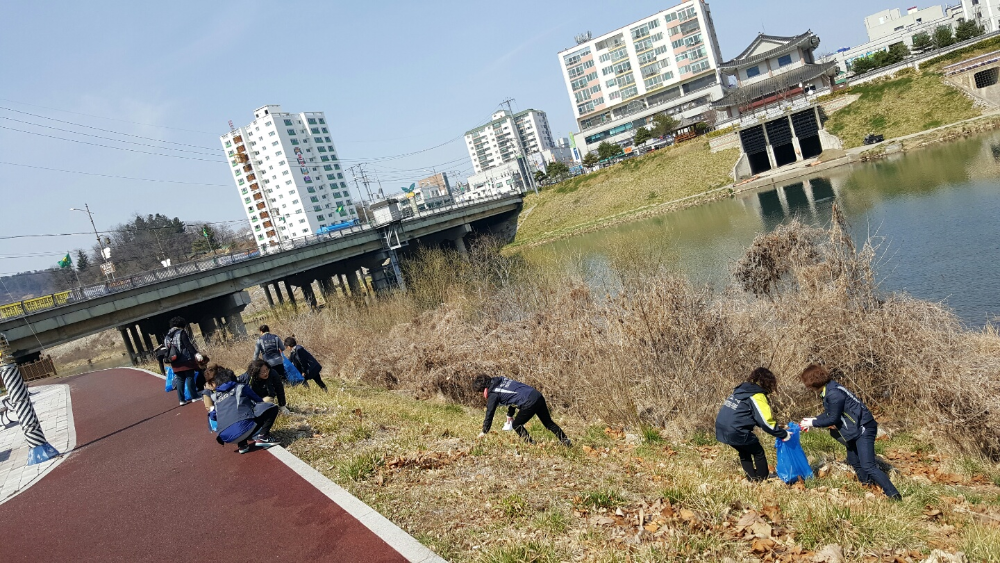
(287, 174)
(665, 63)
(494, 144)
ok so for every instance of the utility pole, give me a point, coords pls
(526, 170)
(100, 245)
(364, 207)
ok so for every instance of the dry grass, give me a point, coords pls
(634, 366)
(626, 188)
(902, 106)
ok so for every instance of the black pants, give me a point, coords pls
(540, 409)
(277, 381)
(753, 460)
(314, 377)
(861, 456)
(262, 424)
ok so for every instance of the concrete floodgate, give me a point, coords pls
(143, 479)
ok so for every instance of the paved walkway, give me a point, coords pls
(147, 482)
(52, 405)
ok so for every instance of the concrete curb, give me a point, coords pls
(396, 537)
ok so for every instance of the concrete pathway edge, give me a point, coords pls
(396, 537)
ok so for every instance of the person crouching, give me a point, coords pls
(745, 409)
(242, 415)
(529, 403)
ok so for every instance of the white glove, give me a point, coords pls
(509, 425)
(481, 434)
(199, 357)
(788, 436)
(807, 423)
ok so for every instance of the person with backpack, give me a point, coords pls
(529, 402)
(849, 417)
(242, 416)
(269, 347)
(746, 408)
(304, 362)
(183, 357)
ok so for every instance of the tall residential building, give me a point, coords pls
(985, 12)
(495, 143)
(889, 22)
(665, 63)
(288, 175)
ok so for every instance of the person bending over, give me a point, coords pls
(304, 362)
(744, 410)
(853, 421)
(242, 415)
(528, 401)
(269, 347)
(183, 357)
(260, 377)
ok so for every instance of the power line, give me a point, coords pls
(126, 230)
(108, 146)
(105, 138)
(108, 118)
(116, 177)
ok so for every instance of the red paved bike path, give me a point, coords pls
(148, 482)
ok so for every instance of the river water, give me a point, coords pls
(935, 212)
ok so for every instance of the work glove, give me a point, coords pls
(788, 436)
(509, 425)
(199, 357)
(807, 423)
(481, 434)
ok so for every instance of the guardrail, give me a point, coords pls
(86, 293)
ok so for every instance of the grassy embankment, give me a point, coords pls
(910, 103)
(635, 371)
(624, 191)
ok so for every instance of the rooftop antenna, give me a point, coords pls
(583, 37)
(231, 126)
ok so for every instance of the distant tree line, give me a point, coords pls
(140, 245)
(923, 42)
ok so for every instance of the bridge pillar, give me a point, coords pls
(277, 291)
(147, 339)
(267, 294)
(208, 327)
(128, 343)
(291, 295)
(354, 283)
(460, 246)
(310, 296)
(379, 280)
(235, 324)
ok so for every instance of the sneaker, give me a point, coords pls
(509, 425)
(266, 442)
(245, 447)
(182, 403)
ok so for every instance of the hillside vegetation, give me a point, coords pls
(909, 104)
(626, 188)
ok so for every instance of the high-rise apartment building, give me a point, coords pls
(495, 143)
(665, 63)
(984, 12)
(288, 176)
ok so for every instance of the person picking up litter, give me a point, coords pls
(744, 410)
(528, 401)
(242, 415)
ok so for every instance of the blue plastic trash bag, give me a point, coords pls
(792, 463)
(213, 422)
(189, 393)
(291, 373)
(170, 379)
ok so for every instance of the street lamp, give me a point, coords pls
(107, 272)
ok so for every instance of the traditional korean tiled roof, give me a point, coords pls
(776, 84)
(808, 39)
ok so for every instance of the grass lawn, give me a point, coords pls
(627, 187)
(618, 496)
(903, 106)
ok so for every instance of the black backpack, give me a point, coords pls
(177, 353)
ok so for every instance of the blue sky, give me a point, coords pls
(392, 77)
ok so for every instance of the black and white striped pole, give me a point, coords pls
(17, 398)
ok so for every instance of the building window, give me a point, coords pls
(295, 141)
(291, 132)
(288, 122)
(784, 61)
(311, 121)
(753, 71)
(327, 167)
(314, 130)
(324, 158)
(325, 130)
(271, 134)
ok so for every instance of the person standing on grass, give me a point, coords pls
(304, 362)
(242, 415)
(529, 402)
(269, 347)
(746, 408)
(183, 358)
(853, 421)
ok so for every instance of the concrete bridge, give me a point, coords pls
(215, 298)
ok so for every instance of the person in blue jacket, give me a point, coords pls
(849, 416)
(745, 409)
(242, 415)
(529, 402)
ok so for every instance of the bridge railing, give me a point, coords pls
(95, 291)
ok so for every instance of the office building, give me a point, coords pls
(288, 176)
(664, 63)
(495, 147)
